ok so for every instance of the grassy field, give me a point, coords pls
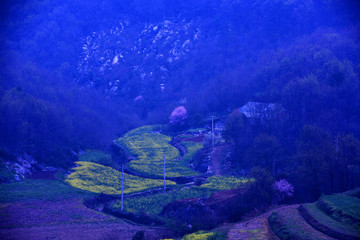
(65, 219)
(29, 190)
(52, 209)
(149, 147)
(97, 178)
(98, 157)
(154, 204)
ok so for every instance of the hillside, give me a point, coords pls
(92, 188)
(76, 64)
(151, 119)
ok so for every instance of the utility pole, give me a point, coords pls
(122, 186)
(212, 132)
(164, 175)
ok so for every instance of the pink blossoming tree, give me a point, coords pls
(283, 189)
(178, 115)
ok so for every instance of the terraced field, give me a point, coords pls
(153, 204)
(326, 224)
(44, 209)
(97, 171)
(300, 222)
(289, 224)
(149, 147)
(331, 217)
(97, 178)
(342, 208)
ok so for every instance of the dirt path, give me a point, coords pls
(175, 142)
(216, 156)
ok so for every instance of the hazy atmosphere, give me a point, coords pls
(178, 119)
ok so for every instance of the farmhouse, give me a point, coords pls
(262, 111)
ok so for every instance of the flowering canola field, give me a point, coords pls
(153, 204)
(149, 147)
(97, 178)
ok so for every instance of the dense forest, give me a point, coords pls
(77, 74)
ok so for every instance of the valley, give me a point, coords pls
(69, 204)
(180, 119)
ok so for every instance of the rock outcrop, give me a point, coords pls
(25, 166)
(19, 168)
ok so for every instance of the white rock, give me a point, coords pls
(115, 60)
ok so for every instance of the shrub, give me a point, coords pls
(261, 189)
(139, 235)
(282, 190)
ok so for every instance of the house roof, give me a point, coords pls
(260, 110)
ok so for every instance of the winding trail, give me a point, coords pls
(175, 142)
(216, 156)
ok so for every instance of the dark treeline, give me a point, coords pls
(51, 118)
(316, 143)
(303, 55)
